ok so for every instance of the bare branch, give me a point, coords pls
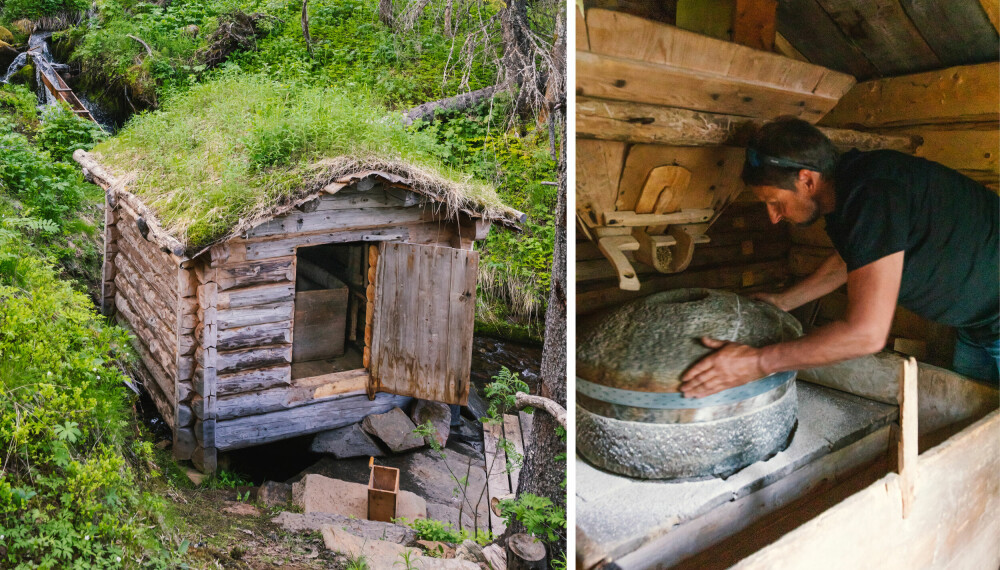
(558, 412)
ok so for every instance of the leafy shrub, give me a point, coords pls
(34, 9)
(435, 530)
(69, 496)
(20, 104)
(539, 516)
(63, 132)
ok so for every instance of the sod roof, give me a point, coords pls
(234, 152)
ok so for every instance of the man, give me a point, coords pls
(904, 228)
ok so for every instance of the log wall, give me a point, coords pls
(145, 287)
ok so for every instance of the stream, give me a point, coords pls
(44, 63)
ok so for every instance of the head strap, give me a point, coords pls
(756, 159)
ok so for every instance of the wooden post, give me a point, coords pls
(204, 456)
(908, 433)
(369, 313)
(754, 23)
(525, 553)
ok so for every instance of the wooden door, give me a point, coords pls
(424, 312)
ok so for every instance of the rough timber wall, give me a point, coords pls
(146, 300)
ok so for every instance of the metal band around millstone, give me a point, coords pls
(673, 407)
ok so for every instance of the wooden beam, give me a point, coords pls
(640, 123)
(967, 93)
(754, 23)
(958, 32)
(636, 59)
(808, 27)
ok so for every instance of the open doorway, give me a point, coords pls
(330, 283)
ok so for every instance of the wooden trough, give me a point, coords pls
(349, 302)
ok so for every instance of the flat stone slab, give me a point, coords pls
(394, 429)
(375, 530)
(343, 443)
(319, 494)
(426, 474)
(616, 514)
(383, 554)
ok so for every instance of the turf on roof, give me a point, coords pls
(228, 152)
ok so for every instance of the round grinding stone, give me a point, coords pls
(698, 450)
(631, 418)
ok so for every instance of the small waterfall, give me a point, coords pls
(17, 64)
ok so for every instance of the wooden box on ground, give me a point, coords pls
(383, 491)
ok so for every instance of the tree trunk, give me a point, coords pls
(385, 12)
(517, 61)
(543, 475)
(305, 26)
(426, 111)
(447, 19)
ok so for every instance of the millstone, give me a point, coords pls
(631, 417)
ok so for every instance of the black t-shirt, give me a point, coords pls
(946, 223)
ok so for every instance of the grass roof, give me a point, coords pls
(228, 153)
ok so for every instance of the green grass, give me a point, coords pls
(233, 148)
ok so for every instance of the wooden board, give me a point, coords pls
(320, 416)
(320, 324)
(424, 305)
(512, 433)
(958, 94)
(754, 23)
(954, 522)
(497, 480)
(714, 175)
(598, 169)
(301, 392)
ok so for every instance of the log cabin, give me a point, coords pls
(666, 94)
(354, 295)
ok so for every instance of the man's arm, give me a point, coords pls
(872, 292)
(831, 274)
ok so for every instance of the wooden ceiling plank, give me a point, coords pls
(960, 33)
(813, 33)
(954, 95)
(627, 36)
(883, 32)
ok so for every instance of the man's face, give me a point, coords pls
(798, 207)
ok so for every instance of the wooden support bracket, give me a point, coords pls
(908, 433)
(613, 247)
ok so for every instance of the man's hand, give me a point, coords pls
(731, 365)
